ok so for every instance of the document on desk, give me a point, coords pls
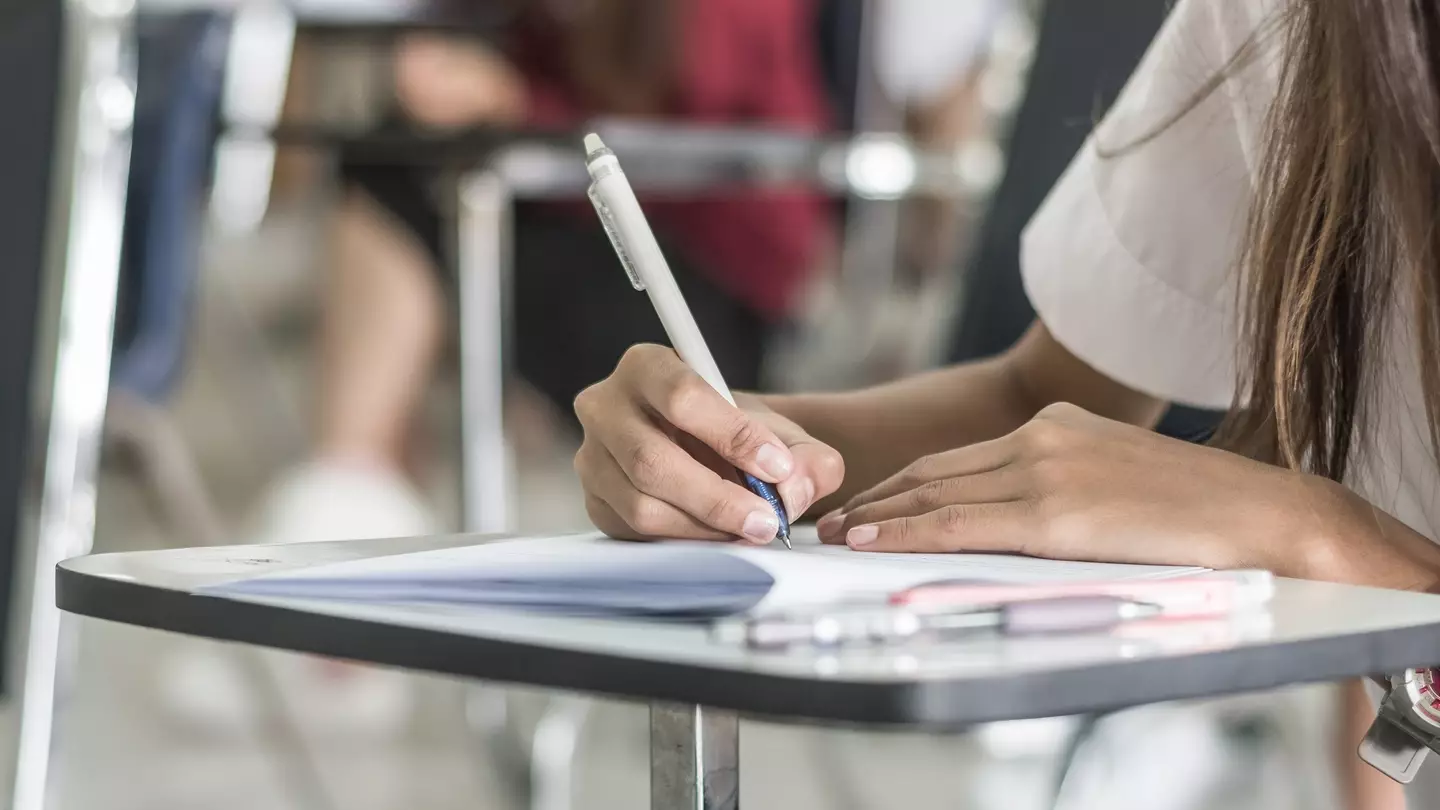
(591, 575)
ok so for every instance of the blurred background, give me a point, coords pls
(354, 287)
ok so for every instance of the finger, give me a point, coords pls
(665, 493)
(819, 471)
(985, 527)
(605, 519)
(996, 486)
(635, 516)
(675, 393)
(970, 460)
(609, 521)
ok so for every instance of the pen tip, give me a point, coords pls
(784, 535)
(593, 144)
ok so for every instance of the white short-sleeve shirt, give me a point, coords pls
(1131, 261)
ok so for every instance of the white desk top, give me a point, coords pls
(1311, 632)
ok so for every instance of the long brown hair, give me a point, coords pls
(1344, 226)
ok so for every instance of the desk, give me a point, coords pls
(1313, 632)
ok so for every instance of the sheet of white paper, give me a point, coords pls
(592, 575)
(814, 573)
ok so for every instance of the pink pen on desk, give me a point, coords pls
(1207, 594)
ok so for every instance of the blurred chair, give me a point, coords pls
(64, 157)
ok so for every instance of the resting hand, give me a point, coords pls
(661, 447)
(1072, 485)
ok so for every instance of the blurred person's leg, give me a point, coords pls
(383, 321)
(383, 326)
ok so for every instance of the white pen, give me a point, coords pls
(645, 264)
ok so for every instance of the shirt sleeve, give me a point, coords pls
(1131, 260)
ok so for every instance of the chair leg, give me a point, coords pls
(552, 752)
(490, 724)
(165, 464)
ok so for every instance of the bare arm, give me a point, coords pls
(880, 430)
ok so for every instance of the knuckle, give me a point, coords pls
(646, 465)
(952, 519)
(744, 438)
(585, 403)
(645, 515)
(929, 496)
(720, 514)
(1043, 437)
(684, 395)
(908, 534)
(1060, 410)
(638, 355)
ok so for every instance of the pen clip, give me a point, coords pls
(607, 221)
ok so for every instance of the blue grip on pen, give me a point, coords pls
(766, 491)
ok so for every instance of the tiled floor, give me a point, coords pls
(118, 750)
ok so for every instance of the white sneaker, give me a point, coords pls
(325, 500)
(318, 501)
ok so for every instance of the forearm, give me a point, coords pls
(879, 430)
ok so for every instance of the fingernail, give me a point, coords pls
(830, 525)
(862, 535)
(774, 461)
(798, 496)
(760, 527)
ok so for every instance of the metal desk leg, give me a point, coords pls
(694, 758)
(482, 258)
(97, 166)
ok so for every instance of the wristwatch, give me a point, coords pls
(1408, 726)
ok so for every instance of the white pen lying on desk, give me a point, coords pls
(643, 261)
